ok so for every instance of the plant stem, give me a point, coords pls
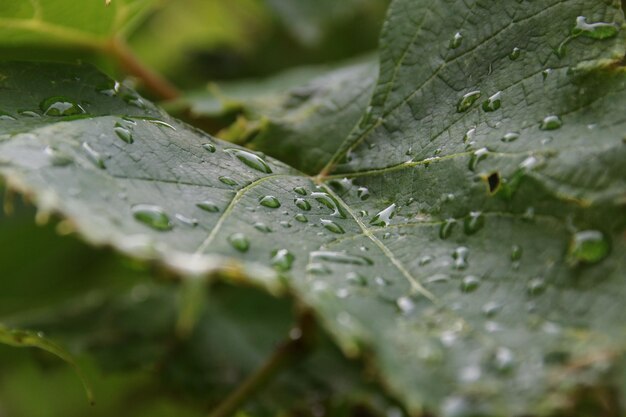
(295, 347)
(129, 61)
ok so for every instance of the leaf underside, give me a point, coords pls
(473, 248)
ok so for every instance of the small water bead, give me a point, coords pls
(6, 116)
(477, 156)
(153, 216)
(503, 360)
(302, 204)
(300, 190)
(160, 123)
(536, 286)
(446, 228)
(60, 106)
(57, 157)
(328, 201)
(208, 205)
(341, 258)
(332, 226)
(473, 222)
(93, 155)
(551, 122)
(493, 103)
(262, 227)
(516, 253)
(469, 135)
(318, 269)
(285, 224)
(209, 147)
(269, 201)
(282, 260)
(227, 180)
(301, 218)
(491, 308)
(239, 241)
(515, 53)
(187, 221)
(456, 41)
(110, 88)
(469, 284)
(437, 278)
(545, 73)
(382, 281)
(460, 256)
(510, 137)
(356, 279)
(383, 217)
(405, 304)
(588, 246)
(26, 113)
(599, 30)
(250, 159)
(425, 260)
(363, 193)
(123, 133)
(467, 100)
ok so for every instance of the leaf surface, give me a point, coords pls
(471, 247)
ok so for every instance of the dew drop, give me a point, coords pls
(493, 103)
(469, 284)
(545, 73)
(26, 113)
(516, 253)
(109, 88)
(282, 260)
(469, 135)
(477, 156)
(510, 137)
(456, 41)
(250, 159)
(269, 201)
(208, 205)
(473, 222)
(60, 106)
(301, 218)
(151, 215)
(515, 53)
(262, 227)
(405, 304)
(123, 133)
(599, 30)
(356, 279)
(536, 286)
(300, 190)
(328, 201)
(209, 147)
(341, 258)
(227, 180)
(285, 224)
(460, 256)
(332, 226)
(588, 246)
(187, 221)
(302, 204)
(503, 360)
(318, 269)
(467, 100)
(363, 193)
(239, 241)
(446, 228)
(57, 157)
(93, 155)
(551, 122)
(383, 217)
(491, 308)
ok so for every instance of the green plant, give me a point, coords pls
(451, 217)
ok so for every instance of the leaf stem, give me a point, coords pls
(118, 48)
(297, 345)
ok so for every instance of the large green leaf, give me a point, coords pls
(473, 248)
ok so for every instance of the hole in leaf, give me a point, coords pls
(493, 180)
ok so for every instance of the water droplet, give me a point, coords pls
(123, 133)
(57, 157)
(60, 106)
(151, 215)
(437, 278)
(302, 204)
(300, 190)
(551, 122)
(285, 224)
(328, 201)
(208, 205)
(269, 201)
(318, 269)
(469, 284)
(357, 279)
(503, 360)
(425, 260)
(363, 193)
(239, 241)
(460, 256)
(6, 116)
(456, 41)
(382, 282)
(160, 123)
(491, 308)
(25, 113)
(493, 103)
(469, 135)
(250, 159)
(510, 137)
(332, 226)
(405, 304)
(282, 260)
(473, 222)
(599, 30)
(467, 100)
(478, 156)
(262, 227)
(187, 221)
(209, 147)
(109, 88)
(227, 180)
(516, 253)
(446, 228)
(515, 53)
(341, 258)
(545, 73)
(536, 286)
(93, 155)
(588, 246)
(383, 217)
(301, 218)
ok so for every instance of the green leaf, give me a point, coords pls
(296, 107)
(480, 272)
(63, 23)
